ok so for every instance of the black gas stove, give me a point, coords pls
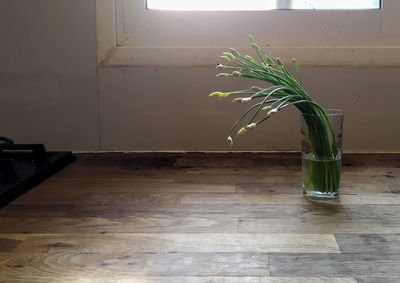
(23, 166)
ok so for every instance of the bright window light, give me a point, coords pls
(260, 5)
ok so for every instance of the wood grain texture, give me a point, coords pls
(9, 242)
(88, 263)
(182, 243)
(141, 223)
(377, 198)
(369, 243)
(382, 279)
(188, 218)
(127, 185)
(186, 279)
(317, 224)
(335, 265)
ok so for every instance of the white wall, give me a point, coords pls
(168, 109)
(49, 93)
(48, 84)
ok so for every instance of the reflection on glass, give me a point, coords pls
(259, 5)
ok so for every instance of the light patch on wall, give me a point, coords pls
(260, 5)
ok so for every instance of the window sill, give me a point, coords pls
(306, 55)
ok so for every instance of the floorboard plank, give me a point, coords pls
(308, 209)
(128, 185)
(377, 198)
(185, 279)
(181, 243)
(317, 224)
(334, 265)
(88, 263)
(369, 243)
(145, 223)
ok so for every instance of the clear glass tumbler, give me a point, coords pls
(321, 143)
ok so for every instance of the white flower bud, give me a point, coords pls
(234, 52)
(255, 46)
(224, 75)
(272, 111)
(268, 107)
(229, 140)
(251, 38)
(229, 55)
(249, 58)
(251, 126)
(242, 99)
(242, 131)
(236, 74)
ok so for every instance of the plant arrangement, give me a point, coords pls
(284, 90)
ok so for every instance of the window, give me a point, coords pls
(257, 5)
(131, 34)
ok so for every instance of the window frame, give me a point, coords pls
(121, 45)
(263, 6)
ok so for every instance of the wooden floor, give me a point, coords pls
(203, 218)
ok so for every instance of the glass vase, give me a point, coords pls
(321, 143)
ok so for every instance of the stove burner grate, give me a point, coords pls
(23, 166)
